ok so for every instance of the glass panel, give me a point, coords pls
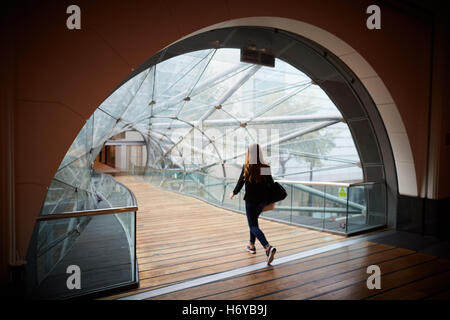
(320, 207)
(62, 197)
(335, 211)
(112, 193)
(117, 103)
(308, 205)
(371, 201)
(283, 209)
(99, 191)
(103, 247)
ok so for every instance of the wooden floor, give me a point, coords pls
(337, 275)
(181, 238)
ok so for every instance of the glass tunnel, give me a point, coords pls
(184, 125)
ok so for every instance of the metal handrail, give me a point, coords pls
(332, 184)
(95, 212)
(364, 183)
(316, 183)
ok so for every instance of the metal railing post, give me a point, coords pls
(346, 215)
(324, 204)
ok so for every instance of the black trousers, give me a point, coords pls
(253, 211)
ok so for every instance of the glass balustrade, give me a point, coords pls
(92, 229)
(371, 197)
(334, 207)
(101, 246)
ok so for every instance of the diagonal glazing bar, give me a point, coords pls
(181, 140)
(161, 134)
(257, 121)
(203, 85)
(122, 113)
(184, 74)
(195, 83)
(272, 106)
(230, 92)
(287, 137)
(263, 93)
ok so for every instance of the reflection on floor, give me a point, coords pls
(425, 244)
(335, 275)
(181, 238)
(104, 168)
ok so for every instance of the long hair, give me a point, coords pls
(254, 160)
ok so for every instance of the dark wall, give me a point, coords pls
(424, 216)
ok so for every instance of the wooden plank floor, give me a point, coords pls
(336, 275)
(181, 238)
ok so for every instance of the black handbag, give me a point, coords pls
(276, 192)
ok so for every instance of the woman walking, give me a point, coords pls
(255, 174)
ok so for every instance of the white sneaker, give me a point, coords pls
(270, 254)
(250, 249)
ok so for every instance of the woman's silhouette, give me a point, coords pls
(256, 175)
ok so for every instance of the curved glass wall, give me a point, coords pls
(197, 113)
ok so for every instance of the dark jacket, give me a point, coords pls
(254, 191)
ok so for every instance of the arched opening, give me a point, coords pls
(155, 103)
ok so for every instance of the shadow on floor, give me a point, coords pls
(424, 244)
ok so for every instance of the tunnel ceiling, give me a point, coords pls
(199, 111)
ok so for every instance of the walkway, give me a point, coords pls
(180, 238)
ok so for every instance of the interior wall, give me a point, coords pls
(4, 158)
(440, 124)
(6, 146)
(62, 75)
